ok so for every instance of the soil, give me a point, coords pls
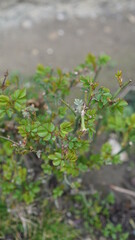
(61, 33)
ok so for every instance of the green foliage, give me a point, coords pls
(96, 216)
(50, 226)
(43, 136)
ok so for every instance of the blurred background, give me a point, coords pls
(62, 32)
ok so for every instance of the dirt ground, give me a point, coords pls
(61, 33)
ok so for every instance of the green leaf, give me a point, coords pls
(19, 105)
(122, 103)
(4, 100)
(66, 127)
(43, 70)
(62, 111)
(56, 158)
(103, 59)
(91, 59)
(19, 94)
(42, 132)
(47, 137)
(71, 156)
(19, 99)
(9, 113)
(50, 127)
(52, 157)
(56, 163)
(2, 113)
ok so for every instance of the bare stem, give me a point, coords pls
(67, 105)
(4, 81)
(10, 140)
(121, 88)
(96, 74)
(122, 190)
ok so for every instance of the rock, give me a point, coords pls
(27, 24)
(116, 147)
(102, 238)
(60, 32)
(35, 52)
(107, 29)
(88, 238)
(53, 36)
(131, 18)
(50, 51)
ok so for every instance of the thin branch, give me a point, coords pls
(96, 74)
(77, 123)
(67, 105)
(121, 88)
(122, 190)
(4, 81)
(66, 180)
(123, 150)
(10, 140)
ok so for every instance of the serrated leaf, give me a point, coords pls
(56, 163)
(4, 100)
(42, 132)
(122, 103)
(56, 158)
(52, 157)
(47, 137)
(19, 94)
(66, 127)
(50, 127)
(2, 113)
(103, 59)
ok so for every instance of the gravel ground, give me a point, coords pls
(14, 12)
(61, 33)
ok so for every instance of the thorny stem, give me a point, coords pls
(67, 105)
(121, 88)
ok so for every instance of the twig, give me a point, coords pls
(122, 190)
(121, 88)
(67, 181)
(123, 150)
(96, 74)
(67, 105)
(4, 81)
(10, 140)
(77, 122)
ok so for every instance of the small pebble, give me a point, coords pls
(69, 214)
(80, 32)
(61, 16)
(35, 52)
(60, 32)
(107, 29)
(53, 36)
(102, 238)
(50, 51)
(27, 24)
(131, 18)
